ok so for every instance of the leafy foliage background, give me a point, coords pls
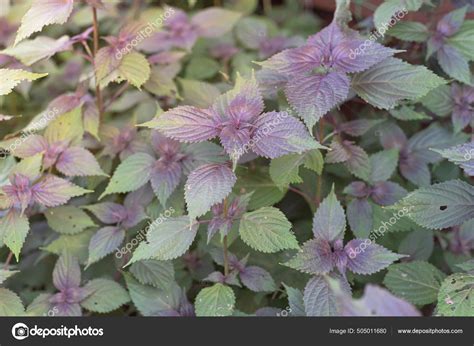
(190, 158)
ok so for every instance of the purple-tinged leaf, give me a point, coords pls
(206, 186)
(349, 57)
(360, 217)
(357, 189)
(451, 22)
(241, 104)
(76, 161)
(215, 21)
(329, 221)
(19, 192)
(358, 127)
(31, 146)
(218, 277)
(165, 177)
(279, 134)
(104, 242)
(415, 170)
(376, 301)
(387, 193)
(257, 279)
(315, 257)
(270, 81)
(67, 309)
(67, 273)
(188, 124)
(108, 212)
(366, 257)
(294, 61)
(314, 96)
(53, 191)
(392, 137)
(337, 154)
(42, 13)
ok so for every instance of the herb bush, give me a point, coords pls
(186, 159)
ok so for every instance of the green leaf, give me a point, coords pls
(284, 170)
(66, 127)
(40, 306)
(135, 69)
(5, 274)
(456, 296)
(218, 300)
(267, 230)
(418, 245)
(383, 165)
(385, 84)
(159, 274)
(440, 206)
(167, 240)
(410, 31)
(150, 301)
(30, 167)
(198, 94)
(417, 282)
(42, 47)
(439, 100)
(131, 174)
(14, 227)
(295, 301)
(215, 21)
(161, 81)
(10, 303)
(105, 296)
(384, 13)
(463, 40)
(11, 78)
(265, 192)
(76, 245)
(313, 160)
(406, 113)
(201, 67)
(68, 219)
(42, 13)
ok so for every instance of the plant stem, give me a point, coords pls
(319, 179)
(98, 93)
(304, 195)
(226, 257)
(224, 243)
(7, 262)
(267, 6)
